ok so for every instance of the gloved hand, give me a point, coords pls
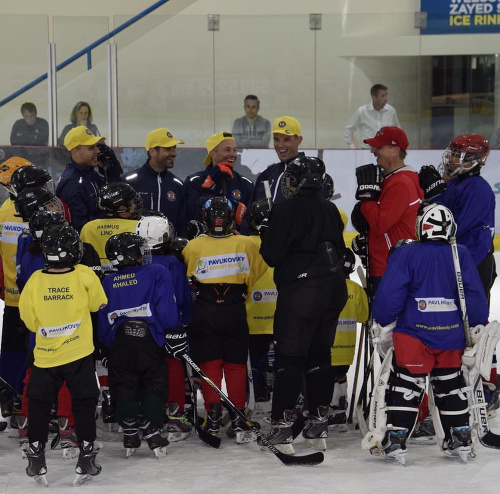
(360, 248)
(358, 220)
(240, 212)
(262, 228)
(382, 336)
(108, 161)
(431, 181)
(369, 178)
(221, 171)
(176, 342)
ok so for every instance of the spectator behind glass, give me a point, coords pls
(29, 130)
(252, 130)
(80, 115)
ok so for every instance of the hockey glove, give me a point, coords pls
(263, 227)
(382, 337)
(369, 178)
(431, 181)
(241, 210)
(358, 220)
(360, 248)
(108, 161)
(219, 172)
(193, 229)
(176, 342)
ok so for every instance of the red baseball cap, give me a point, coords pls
(389, 136)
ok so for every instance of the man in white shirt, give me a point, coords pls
(371, 117)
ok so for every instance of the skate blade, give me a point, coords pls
(462, 454)
(42, 480)
(398, 457)
(338, 428)
(426, 440)
(318, 443)
(245, 437)
(286, 449)
(160, 452)
(129, 452)
(70, 452)
(177, 436)
(81, 478)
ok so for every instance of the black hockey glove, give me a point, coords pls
(369, 178)
(108, 161)
(176, 342)
(263, 227)
(358, 220)
(359, 247)
(193, 229)
(431, 181)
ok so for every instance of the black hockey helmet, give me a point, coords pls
(348, 261)
(329, 186)
(31, 200)
(303, 173)
(29, 177)
(177, 246)
(260, 210)
(117, 198)
(127, 249)
(40, 220)
(61, 246)
(218, 215)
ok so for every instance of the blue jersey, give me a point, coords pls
(472, 202)
(419, 289)
(182, 290)
(139, 292)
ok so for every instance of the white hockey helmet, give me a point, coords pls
(435, 222)
(156, 230)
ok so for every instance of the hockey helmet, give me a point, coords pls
(155, 230)
(28, 177)
(218, 215)
(127, 249)
(435, 222)
(303, 173)
(465, 153)
(329, 186)
(8, 167)
(260, 210)
(31, 200)
(118, 198)
(61, 246)
(40, 220)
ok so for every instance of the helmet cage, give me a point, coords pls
(467, 151)
(304, 172)
(218, 215)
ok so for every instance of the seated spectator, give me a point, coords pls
(29, 130)
(80, 115)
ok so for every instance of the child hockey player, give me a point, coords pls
(419, 290)
(55, 304)
(133, 327)
(222, 265)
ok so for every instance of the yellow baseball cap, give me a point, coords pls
(213, 141)
(162, 138)
(286, 125)
(80, 136)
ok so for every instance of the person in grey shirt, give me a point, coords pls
(252, 130)
(371, 117)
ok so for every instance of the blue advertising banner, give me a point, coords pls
(461, 16)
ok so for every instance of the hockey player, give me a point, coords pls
(222, 266)
(156, 231)
(120, 207)
(419, 291)
(220, 179)
(304, 244)
(55, 304)
(355, 311)
(141, 313)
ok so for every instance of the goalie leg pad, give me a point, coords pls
(486, 347)
(448, 401)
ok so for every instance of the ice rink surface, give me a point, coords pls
(192, 467)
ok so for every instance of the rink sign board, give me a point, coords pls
(461, 16)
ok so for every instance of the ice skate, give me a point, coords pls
(67, 436)
(178, 425)
(394, 444)
(280, 435)
(37, 468)
(213, 419)
(315, 431)
(156, 442)
(131, 436)
(240, 430)
(86, 467)
(23, 435)
(424, 432)
(337, 420)
(459, 444)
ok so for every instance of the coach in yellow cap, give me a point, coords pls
(159, 188)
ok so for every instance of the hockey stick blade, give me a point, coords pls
(208, 438)
(490, 440)
(306, 460)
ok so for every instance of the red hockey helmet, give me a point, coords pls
(464, 153)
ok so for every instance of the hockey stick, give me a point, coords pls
(473, 378)
(9, 386)
(205, 436)
(356, 374)
(311, 459)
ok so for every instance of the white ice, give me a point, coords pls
(192, 467)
